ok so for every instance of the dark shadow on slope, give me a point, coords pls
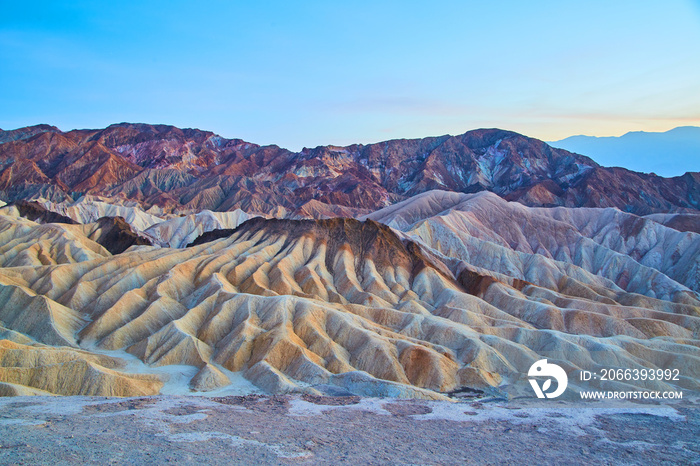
(116, 235)
(37, 213)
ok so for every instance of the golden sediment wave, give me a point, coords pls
(429, 306)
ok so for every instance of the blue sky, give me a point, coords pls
(309, 73)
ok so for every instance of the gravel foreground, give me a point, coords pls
(257, 429)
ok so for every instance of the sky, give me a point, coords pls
(309, 73)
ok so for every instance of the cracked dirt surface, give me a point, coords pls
(314, 430)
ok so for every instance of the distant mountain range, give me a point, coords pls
(177, 170)
(666, 154)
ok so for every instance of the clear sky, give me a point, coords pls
(309, 73)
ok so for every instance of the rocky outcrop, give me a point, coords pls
(26, 243)
(38, 213)
(29, 243)
(209, 378)
(635, 253)
(38, 370)
(116, 235)
(210, 236)
(680, 222)
(180, 231)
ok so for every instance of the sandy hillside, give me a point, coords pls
(442, 292)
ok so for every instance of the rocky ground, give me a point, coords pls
(258, 429)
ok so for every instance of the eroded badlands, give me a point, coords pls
(438, 293)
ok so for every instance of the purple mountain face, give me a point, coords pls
(188, 170)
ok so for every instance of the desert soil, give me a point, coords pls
(258, 429)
